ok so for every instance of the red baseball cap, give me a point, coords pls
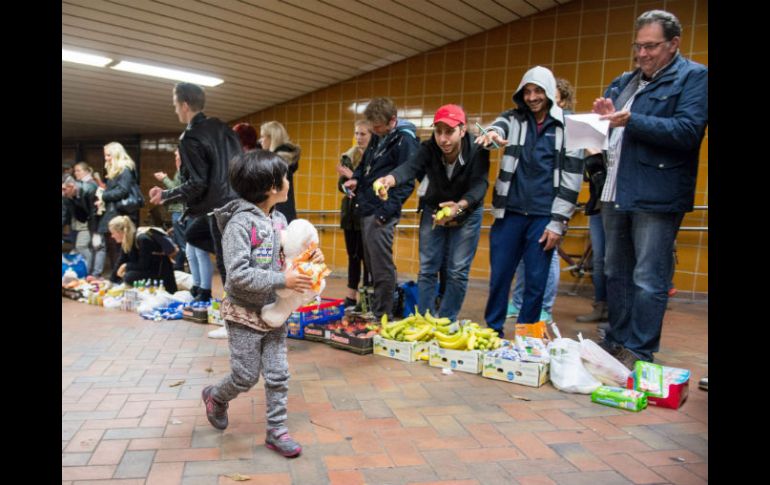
(451, 114)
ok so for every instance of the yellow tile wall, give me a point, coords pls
(586, 42)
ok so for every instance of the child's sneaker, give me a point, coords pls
(282, 442)
(216, 412)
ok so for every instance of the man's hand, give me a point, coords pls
(453, 206)
(351, 185)
(159, 176)
(603, 106)
(155, 195)
(618, 118)
(491, 136)
(297, 281)
(122, 270)
(551, 239)
(344, 171)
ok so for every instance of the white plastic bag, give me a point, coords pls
(68, 276)
(184, 281)
(601, 364)
(567, 371)
(183, 295)
(150, 302)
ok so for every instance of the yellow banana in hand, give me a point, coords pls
(380, 190)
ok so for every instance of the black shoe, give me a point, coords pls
(610, 347)
(349, 302)
(203, 295)
(195, 290)
(704, 383)
(216, 412)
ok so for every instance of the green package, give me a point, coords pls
(619, 397)
(649, 378)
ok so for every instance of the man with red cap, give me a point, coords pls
(454, 175)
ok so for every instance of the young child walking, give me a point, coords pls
(251, 246)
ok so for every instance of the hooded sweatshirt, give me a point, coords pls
(254, 268)
(536, 176)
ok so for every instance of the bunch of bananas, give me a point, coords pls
(470, 337)
(414, 327)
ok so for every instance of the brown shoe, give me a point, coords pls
(627, 357)
(599, 313)
(610, 348)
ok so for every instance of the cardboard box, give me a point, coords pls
(196, 314)
(340, 340)
(676, 388)
(462, 360)
(533, 374)
(317, 332)
(406, 351)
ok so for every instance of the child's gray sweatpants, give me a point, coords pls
(251, 352)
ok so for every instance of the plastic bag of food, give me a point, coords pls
(567, 371)
(601, 364)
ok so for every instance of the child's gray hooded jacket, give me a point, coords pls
(254, 268)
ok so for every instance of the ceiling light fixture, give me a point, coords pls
(167, 73)
(83, 58)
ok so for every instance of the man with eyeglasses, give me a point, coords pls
(658, 115)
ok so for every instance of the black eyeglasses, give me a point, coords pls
(648, 47)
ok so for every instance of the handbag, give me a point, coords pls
(132, 202)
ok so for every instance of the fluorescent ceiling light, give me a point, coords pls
(82, 58)
(167, 73)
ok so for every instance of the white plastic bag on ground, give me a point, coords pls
(601, 364)
(184, 296)
(151, 301)
(184, 281)
(68, 276)
(567, 371)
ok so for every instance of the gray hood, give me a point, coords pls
(543, 77)
(235, 206)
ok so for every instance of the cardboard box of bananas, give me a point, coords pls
(463, 335)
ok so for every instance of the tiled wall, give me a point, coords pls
(586, 42)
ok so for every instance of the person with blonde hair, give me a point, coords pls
(141, 257)
(275, 138)
(119, 198)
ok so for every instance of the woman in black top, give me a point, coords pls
(275, 138)
(142, 257)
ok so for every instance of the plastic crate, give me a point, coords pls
(329, 310)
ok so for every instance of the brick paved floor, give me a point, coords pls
(360, 419)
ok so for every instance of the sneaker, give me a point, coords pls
(216, 411)
(513, 311)
(283, 443)
(546, 317)
(704, 383)
(221, 332)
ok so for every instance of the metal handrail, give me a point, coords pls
(417, 226)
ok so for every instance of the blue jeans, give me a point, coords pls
(512, 238)
(597, 244)
(638, 268)
(200, 266)
(458, 244)
(551, 285)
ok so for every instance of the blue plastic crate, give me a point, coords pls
(329, 310)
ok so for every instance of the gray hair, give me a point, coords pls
(668, 21)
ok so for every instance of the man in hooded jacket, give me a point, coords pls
(535, 194)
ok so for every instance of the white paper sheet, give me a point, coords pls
(586, 131)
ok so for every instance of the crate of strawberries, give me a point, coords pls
(355, 332)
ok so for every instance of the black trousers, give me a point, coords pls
(202, 232)
(354, 244)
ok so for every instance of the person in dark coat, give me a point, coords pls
(142, 257)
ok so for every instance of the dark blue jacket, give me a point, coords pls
(532, 189)
(378, 161)
(661, 143)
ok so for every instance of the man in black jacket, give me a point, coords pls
(456, 172)
(393, 143)
(78, 205)
(206, 148)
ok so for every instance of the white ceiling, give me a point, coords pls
(267, 51)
